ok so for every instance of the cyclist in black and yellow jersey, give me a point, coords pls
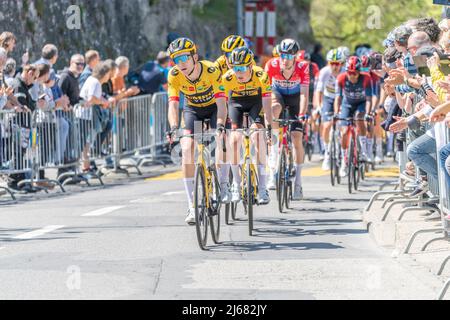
(228, 45)
(200, 82)
(248, 89)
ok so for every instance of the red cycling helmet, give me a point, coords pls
(301, 55)
(365, 62)
(353, 64)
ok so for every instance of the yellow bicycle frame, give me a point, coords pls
(252, 167)
(208, 183)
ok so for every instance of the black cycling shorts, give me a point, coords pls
(191, 115)
(293, 102)
(251, 105)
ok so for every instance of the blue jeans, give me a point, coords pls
(422, 152)
(444, 158)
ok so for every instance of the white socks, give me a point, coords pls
(224, 172)
(236, 174)
(327, 151)
(273, 157)
(379, 148)
(262, 176)
(363, 142)
(370, 147)
(189, 188)
(298, 174)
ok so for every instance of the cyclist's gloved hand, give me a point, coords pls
(368, 118)
(220, 129)
(171, 134)
(302, 117)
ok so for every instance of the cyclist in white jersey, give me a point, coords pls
(325, 95)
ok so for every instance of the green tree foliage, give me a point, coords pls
(351, 22)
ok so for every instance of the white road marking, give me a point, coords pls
(172, 193)
(37, 233)
(102, 211)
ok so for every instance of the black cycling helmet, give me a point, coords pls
(232, 42)
(241, 56)
(182, 45)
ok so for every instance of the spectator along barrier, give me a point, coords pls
(73, 141)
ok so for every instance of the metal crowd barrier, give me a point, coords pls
(15, 151)
(31, 142)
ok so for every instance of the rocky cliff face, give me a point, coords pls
(135, 28)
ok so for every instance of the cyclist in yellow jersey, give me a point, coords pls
(248, 90)
(228, 45)
(200, 82)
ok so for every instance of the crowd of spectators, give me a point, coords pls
(87, 80)
(418, 88)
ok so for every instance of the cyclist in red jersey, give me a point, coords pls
(354, 98)
(290, 84)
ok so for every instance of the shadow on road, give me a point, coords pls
(243, 246)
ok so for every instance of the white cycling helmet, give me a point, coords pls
(345, 51)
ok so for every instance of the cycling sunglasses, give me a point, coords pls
(183, 58)
(240, 68)
(287, 56)
(352, 73)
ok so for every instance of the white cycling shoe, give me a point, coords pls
(235, 193)
(343, 171)
(326, 164)
(263, 197)
(298, 193)
(190, 217)
(225, 194)
(272, 183)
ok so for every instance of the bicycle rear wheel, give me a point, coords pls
(214, 206)
(281, 181)
(338, 159)
(228, 206)
(357, 164)
(201, 210)
(250, 198)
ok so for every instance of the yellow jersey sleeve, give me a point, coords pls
(215, 78)
(264, 81)
(173, 85)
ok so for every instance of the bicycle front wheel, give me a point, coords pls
(215, 206)
(332, 156)
(201, 210)
(281, 181)
(351, 165)
(250, 197)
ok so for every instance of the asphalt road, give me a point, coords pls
(129, 241)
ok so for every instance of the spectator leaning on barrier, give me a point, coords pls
(91, 93)
(118, 80)
(149, 78)
(68, 79)
(25, 80)
(92, 59)
(163, 60)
